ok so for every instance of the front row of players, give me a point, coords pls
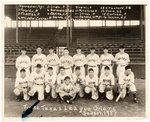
(66, 88)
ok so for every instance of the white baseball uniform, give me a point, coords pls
(37, 80)
(39, 59)
(80, 61)
(67, 63)
(50, 83)
(106, 82)
(106, 60)
(122, 61)
(93, 61)
(79, 81)
(53, 61)
(21, 85)
(91, 84)
(23, 62)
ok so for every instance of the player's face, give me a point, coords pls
(38, 70)
(128, 71)
(50, 71)
(22, 74)
(78, 51)
(91, 73)
(77, 72)
(23, 52)
(105, 50)
(51, 51)
(62, 71)
(121, 50)
(92, 51)
(39, 51)
(66, 52)
(67, 81)
(107, 72)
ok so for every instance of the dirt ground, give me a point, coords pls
(82, 107)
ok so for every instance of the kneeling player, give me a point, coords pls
(106, 84)
(67, 91)
(91, 84)
(50, 83)
(79, 81)
(37, 82)
(21, 86)
(126, 80)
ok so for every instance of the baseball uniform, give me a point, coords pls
(53, 61)
(50, 83)
(79, 81)
(122, 61)
(92, 62)
(106, 60)
(39, 59)
(21, 85)
(105, 82)
(80, 61)
(23, 62)
(67, 63)
(90, 86)
(37, 80)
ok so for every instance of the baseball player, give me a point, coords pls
(79, 80)
(53, 60)
(67, 61)
(106, 83)
(122, 60)
(23, 62)
(106, 59)
(79, 60)
(93, 61)
(37, 82)
(39, 58)
(67, 90)
(50, 83)
(126, 80)
(21, 86)
(91, 84)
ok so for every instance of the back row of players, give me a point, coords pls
(66, 77)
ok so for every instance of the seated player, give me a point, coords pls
(79, 81)
(91, 84)
(21, 86)
(50, 83)
(67, 91)
(106, 83)
(37, 82)
(126, 80)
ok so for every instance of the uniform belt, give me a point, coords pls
(91, 66)
(22, 82)
(122, 65)
(68, 68)
(52, 65)
(78, 66)
(106, 65)
(38, 84)
(25, 87)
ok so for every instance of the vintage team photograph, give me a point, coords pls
(77, 60)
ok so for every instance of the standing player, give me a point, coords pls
(93, 61)
(50, 83)
(106, 59)
(126, 80)
(23, 62)
(122, 60)
(39, 58)
(79, 60)
(53, 60)
(21, 85)
(91, 84)
(67, 61)
(106, 84)
(37, 82)
(79, 80)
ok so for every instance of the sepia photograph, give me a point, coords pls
(74, 60)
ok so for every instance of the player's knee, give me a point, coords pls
(16, 91)
(87, 90)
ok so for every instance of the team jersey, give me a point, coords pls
(79, 60)
(67, 88)
(106, 59)
(50, 79)
(39, 59)
(77, 78)
(91, 81)
(123, 78)
(23, 62)
(37, 78)
(107, 79)
(23, 82)
(66, 61)
(52, 60)
(60, 78)
(93, 60)
(122, 59)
